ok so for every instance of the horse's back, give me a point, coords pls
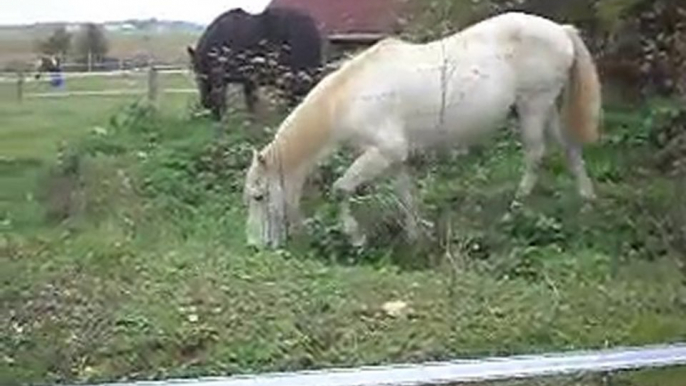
(297, 29)
(233, 28)
(527, 41)
(516, 26)
(239, 30)
(461, 84)
(419, 82)
(536, 52)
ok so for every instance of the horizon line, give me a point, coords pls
(113, 21)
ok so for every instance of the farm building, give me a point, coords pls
(352, 23)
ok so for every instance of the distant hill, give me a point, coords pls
(154, 25)
(132, 25)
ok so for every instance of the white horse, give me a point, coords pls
(398, 97)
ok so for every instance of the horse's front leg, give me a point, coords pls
(218, 102)
(365, 168)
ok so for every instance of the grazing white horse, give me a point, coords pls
(398, 97)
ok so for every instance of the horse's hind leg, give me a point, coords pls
(533, 115)
(250, 93)
(573, 156)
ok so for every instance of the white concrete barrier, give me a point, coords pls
(461, 371)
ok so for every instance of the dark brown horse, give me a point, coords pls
(256, 50)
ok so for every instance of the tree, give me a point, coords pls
(58, 43)
(92, 41)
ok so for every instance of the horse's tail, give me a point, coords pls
(582, 106)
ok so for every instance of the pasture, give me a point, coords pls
(125, 258)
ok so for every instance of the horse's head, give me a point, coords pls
(264, 196)
(209, 80)
(201, 77)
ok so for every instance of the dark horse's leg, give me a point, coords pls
(217, 113)
(250, 93)
(218, 100)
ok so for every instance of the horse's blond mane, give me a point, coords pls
(308, 128)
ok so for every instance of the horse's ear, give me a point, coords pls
(191, 51)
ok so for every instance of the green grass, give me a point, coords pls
(147, 276)
(31, 132)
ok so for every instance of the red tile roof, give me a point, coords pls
(350, 16)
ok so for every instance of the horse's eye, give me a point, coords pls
(258, 197)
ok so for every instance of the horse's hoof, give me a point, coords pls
(589, 197)
(358, 241)
(411, 231)
(587, 207)
(428, 224)
(515, 205)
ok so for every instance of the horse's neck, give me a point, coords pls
(294, 153)
(306, 132)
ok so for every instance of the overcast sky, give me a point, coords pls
(199, 11)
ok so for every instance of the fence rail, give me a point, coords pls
(109, 93)
(21, 80)
(12, 78)
(461, 371)
(152, 90)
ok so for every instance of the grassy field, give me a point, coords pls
(125, 257)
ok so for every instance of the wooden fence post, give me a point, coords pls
(153, 86)
(20, 86)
